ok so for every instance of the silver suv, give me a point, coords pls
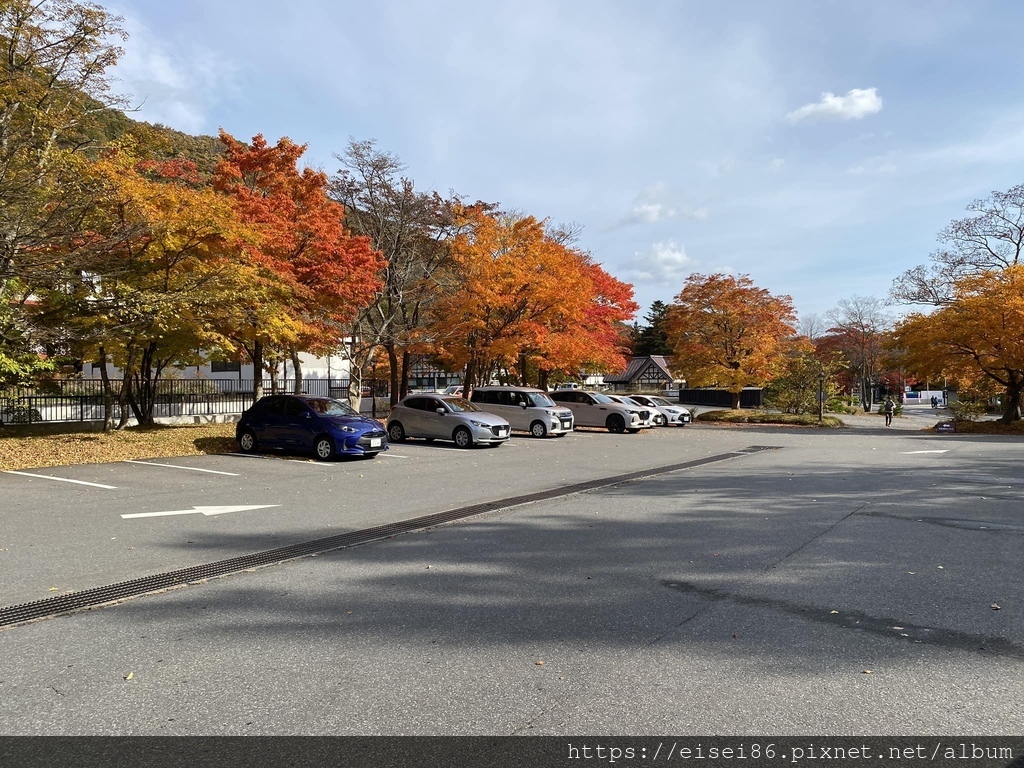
(593, 409)
(526, 409)
(445, 417)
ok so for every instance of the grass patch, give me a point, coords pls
(767, 417)
(35, 451)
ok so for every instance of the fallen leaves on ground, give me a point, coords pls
(37, 451)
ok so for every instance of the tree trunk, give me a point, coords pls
(406, 360)
(542, 379)
(736, 400)
(522, 370)
(297, 365)
(467, 379)
(355, 387)
(142, 395)
(125, 395)
(257, 370)
(397, 390)
(108, 393)
(1012, 408)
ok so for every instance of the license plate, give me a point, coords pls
(503, 431)
(375, 442)
(566, 425)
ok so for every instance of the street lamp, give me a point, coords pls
(821, 395)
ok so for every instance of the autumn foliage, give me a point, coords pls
(727, 332)
(519, 299)
(975, 339)
(312, 276)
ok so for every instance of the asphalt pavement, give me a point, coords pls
(849, 581)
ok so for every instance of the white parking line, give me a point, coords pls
(390, 455)
(178, 466)
(61, 479)
(909, 452)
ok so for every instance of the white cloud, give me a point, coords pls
(776, 164)
(662, 263)
(875, 166)
(655, 204)
(855, 105)
(168, 83)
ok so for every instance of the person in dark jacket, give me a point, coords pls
(889, 408)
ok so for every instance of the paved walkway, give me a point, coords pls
(915, 417)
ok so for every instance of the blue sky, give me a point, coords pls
(816, 146)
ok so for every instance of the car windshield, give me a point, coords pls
(327, 407)
(460, 404)
(540, 400)
(659, 401)
(630, 401)
(599, 398)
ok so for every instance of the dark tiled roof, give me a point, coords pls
(638, 365)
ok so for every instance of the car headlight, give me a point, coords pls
(346, 428)
(673, 411)
(479, 424)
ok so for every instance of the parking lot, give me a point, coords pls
(840, 582)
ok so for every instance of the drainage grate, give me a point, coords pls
(52, 606)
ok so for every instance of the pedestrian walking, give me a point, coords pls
(888, 408)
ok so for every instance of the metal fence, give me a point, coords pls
(82, 399)
(750, 397)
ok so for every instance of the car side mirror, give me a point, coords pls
(522, 405)
(441, 411)
(309, 415)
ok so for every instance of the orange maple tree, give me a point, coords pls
(519, 297)
(596, 340)
(311, 267)
(977, 338)
(727, 332)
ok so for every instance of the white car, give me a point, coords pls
(646, 421)
(671, 414)
(594, 409)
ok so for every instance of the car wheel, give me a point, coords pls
(324, 447)
(462, 437)
(247, 441)
(537, 429)
(661, 421)
(396, 433)
(616, 424)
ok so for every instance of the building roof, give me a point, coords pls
(637, 366)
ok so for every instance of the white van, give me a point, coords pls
(526, 409)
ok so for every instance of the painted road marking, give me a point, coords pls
(178, 466)
(202, 511)
(909, 452)
(61, 479)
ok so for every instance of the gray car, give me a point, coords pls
(446, 417)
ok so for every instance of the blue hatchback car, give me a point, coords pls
(321, 425)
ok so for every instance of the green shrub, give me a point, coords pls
(21, 414)
(968, 410)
